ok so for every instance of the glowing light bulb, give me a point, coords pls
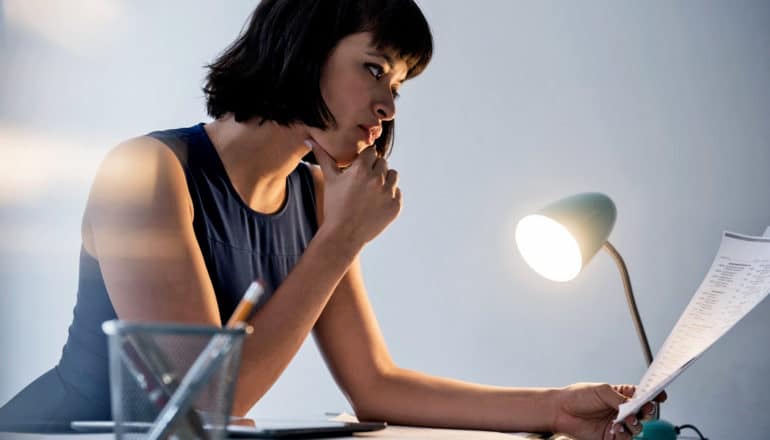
(548, 248)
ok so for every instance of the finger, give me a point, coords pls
(647, 411)
(610, 396)
(399, 198)
(619, 432)
(662, 397)
(391, 181)
(380, 167)
(611, 432)
(632, 425)
(626, 390)
(367, 158)
(327, 163)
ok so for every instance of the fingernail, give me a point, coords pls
(620, 428)
(309, 143)
(612, 430)
(635, 422)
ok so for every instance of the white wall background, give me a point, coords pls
(662, 105)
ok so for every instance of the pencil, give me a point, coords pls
(203, 368)
(245, 307)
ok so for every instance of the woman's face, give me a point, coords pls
(358, 84)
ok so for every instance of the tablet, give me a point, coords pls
(285, 429)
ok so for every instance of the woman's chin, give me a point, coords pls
(345, 160)
(342, 164)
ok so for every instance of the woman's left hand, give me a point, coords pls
(586, 411)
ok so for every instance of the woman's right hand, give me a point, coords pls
(361, 200)
(588, 411)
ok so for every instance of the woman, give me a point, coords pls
(180, 221)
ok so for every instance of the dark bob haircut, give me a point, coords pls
(273, 70)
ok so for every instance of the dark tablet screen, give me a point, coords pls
(287, 429)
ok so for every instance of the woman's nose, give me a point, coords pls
(385, 108)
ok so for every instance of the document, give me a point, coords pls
(738, 280)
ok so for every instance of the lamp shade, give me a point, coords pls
(561, 238)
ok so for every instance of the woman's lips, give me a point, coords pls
(370, 134)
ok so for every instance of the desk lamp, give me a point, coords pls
(560, 239)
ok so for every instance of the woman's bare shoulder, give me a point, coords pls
(139, 182)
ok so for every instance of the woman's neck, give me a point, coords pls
(258, 158)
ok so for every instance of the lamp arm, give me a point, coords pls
(632, 307)
(631, 302)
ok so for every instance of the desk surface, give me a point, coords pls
(391, 432)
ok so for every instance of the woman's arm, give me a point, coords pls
(352, 344)
(355, 351)
(138, 224)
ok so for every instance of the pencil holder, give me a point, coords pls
(172, 381)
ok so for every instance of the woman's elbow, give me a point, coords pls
(369, 397)
(367, 411)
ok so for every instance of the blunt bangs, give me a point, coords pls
(272, 71)
(399, 26)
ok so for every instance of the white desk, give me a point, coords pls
(390, 433)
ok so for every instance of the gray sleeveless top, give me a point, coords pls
(238, 245)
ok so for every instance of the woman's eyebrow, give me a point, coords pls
(383, 55)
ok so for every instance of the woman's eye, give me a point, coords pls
(376, 70)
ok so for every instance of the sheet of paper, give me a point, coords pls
(738, 280)
(415, 433)
(767, 232)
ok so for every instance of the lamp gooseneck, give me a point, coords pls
(631, 302)
(632, 306)
(561, 238)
